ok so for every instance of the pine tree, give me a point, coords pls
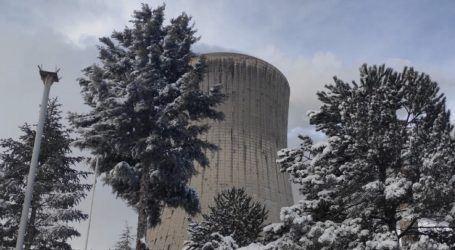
(57, 190)
(388, 166)
(235, 215)
(147, 113)
(125, 240)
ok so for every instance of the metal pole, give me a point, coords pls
(48, 79)
(91, 204)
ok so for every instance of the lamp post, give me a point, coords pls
(91, 204)
(48, 79)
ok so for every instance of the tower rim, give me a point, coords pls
(240, 55)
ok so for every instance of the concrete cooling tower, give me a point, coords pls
(254, 129)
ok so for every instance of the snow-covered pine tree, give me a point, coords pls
(233, 214)
(57, 191)
(388, 164)
(147, 113)
(126, 238)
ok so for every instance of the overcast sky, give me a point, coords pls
(309, 41)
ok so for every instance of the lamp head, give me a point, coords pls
(48, 76)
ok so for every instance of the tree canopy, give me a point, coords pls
(125, 239)
(387, 167)
(58, 189)
(235, 215)
(147, 113)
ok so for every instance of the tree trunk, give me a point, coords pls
(406, 227)
(142, 217)
(31, 230)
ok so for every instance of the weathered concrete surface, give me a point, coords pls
(254, 129)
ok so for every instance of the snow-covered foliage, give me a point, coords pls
(252, 246)
(233, 215)
(388, 163)
(216, 241)
(57, 191)
(147, 113)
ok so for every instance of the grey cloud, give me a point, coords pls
(206, 48)
(21, 88)
(308, 75)
(20, 82)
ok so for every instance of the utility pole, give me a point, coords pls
(48, 79)
(91, 203)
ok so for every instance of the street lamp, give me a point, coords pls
(48, 79)
(91, 203)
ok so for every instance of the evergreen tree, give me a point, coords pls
(388, 165)
(147, 113)
(57, 190)
(235, 215)
(125, 240)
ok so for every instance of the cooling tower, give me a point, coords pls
(254, 129)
